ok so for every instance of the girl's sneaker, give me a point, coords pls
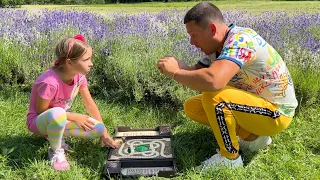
(255, 145)
(58, 160)
(219, 160)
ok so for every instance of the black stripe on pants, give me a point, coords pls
(242, 108)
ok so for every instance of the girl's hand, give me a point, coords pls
(83, 122)
(106, 140)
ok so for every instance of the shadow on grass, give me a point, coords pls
(88, 153)
(316, 150)
(165, 113)
(20, 150)
(314, 147)
(247, 156)
(192, 148)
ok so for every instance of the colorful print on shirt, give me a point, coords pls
(262, 70)
(74, 93)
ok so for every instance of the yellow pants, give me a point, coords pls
(232, 112)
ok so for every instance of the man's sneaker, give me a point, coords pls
(218, 160)
(255, 145)
(58, 160)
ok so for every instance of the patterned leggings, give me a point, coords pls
(54, 123)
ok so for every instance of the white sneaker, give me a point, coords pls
(58, 160)
(255, 145)
(218, 160)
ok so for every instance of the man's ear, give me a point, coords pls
(213, 28)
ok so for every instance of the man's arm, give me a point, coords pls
(184, 66)
(213, 78)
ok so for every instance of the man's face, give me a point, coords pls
(202, 38)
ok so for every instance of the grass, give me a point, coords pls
(294, 153)
(250, 6)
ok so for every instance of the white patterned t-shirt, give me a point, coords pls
(262, 70)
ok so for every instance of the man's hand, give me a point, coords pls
(83, 122)
(106, 140)
(168, 66)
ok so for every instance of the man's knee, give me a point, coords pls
(187, 106)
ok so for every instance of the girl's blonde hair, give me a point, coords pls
(70, 48)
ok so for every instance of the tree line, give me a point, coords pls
(15, 3)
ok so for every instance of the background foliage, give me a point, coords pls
(18, 3)
(127, 47)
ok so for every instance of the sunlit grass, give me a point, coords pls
(294, 153)
(250, 6)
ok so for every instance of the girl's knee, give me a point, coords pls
(58, 111)
(99, 129)
(58, 115)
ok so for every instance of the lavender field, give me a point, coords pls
(127, 85)
(126, 47)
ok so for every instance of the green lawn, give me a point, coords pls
(294, 153)
(250, 6)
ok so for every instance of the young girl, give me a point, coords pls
(52, 95)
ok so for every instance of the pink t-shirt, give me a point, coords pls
(49, 86)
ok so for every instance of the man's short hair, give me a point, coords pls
(203, 13)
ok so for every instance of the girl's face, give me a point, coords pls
(84, 64)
